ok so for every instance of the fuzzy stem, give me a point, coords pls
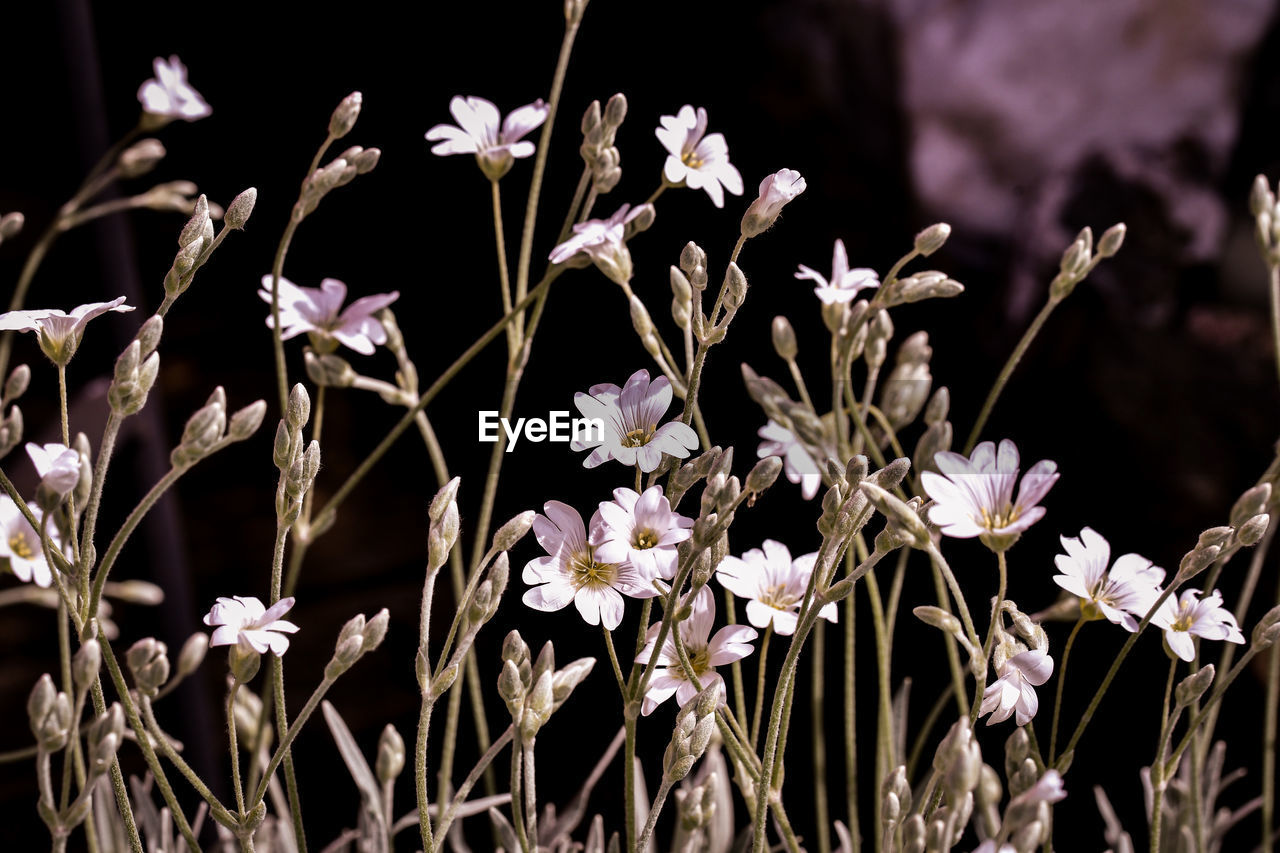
(1007, 371)
(1062, 680)
(760, 685)
(663, 789)
(980, 687)
(1158, 779)
(818, 738)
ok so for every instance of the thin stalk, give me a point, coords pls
(443, 824)
(1009, 366)
(629, 782)
(884, 696)
(157, 734)
(235, 750)
(424, 715)
(735, 669)
(1269, 749)
(530, 795)
(818, 738)
(1158, 779)
(760, 685)
(658, 802)
(613, 661)
(851, 716)
(287, 739)
(1273, 277)
(987, 646)
(504, 277)
(1062, 680)
(517, 805)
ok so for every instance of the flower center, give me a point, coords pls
(1183, 623)
(639, 436)
(999, 520)
(645, 539)
(777, 597)
(587, 572)
(20, 547)
(692, 160)
(700, 660)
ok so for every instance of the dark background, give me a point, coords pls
(1153, 386)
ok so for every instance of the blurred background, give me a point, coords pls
(1153, 386)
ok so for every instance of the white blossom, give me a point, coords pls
(1014, 691)
(59, 332)
(796, 461)
(844, 283)
(1120, 595)
(169, 96)
(1047, 789)
(20, 543)
(697, 159)
(1194, 616)
(572, 571)
(774, 584)
(630, 415)
(243, 621)
(641, 531)
(478, 133)
(318, 311)
(57, 465)
(776, 191)
(730, 643)
(604, 242)
(974, 496)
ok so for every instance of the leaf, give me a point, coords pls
(370, 796)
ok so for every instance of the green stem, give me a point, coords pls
(1269, 748)
(735, 669)
(663, 789)
(1158, 779)
(443, 824)
(1273, 276)
(1062, 680)
(504, 277)
(761, 673)
(1009, 366)
(157, 734)
(517, 800)
(629, 781)
(613, 661)
(884, 696)
(981, 685)
(818, 738)
(851, 717)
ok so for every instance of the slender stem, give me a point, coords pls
(235, 750)
(1158, 779)
(1062, 680)
(530, 796)
(801, 388)
(818, 738)
(663, 789)
(761, 673)
(884, 696)
(629, 782)
(517, 804)
(443, 824)
(662, 187)
(1269, 748)
(851, 716)
(735, 669)
(130, 524)
(287, 739)
(504, 277)
(981, 685)
(1009, 366)
(613, 660)
(1273, 276)
(148, 716)
(424, 713)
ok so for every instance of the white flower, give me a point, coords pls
(797, 463)
(571, 571)
(1191, 616)
(631, 415)
(975, 497)
(57, 465)
(641, 531)
(698, 160)
(169, 96)
(1047, 789)
(776, 191)
(989, 846)
(317, 310)
(1014, 691)
(20, 543)
(496, 150)
(58, 331)
(731, 643)
(604, 242)
(774, 583)
(844, 283)
(1128, 590)
(243, 621)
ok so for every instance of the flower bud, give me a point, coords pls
(328, 369)
(11, 225)
(931, 239)
(245, 422)
(784, 338)
(192, 654)
(390, 761)
(1267, 629)
(735, 287)
(84, 666)
(444, 498)
(1111, 241)
(510, 687)
(194, 229)
(16, 385)
(345, 115)
(763, 474)
(564, 681)
(149, 662)
(240, 209)
(908, 524)
(1253, 529)
(513, 531)
(1194, 686)
(298, 411)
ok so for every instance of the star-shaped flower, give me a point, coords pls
(844, 283)
(169, 96)
(730, 643)
(1126, 592)
(974, 496)
(641, 531)
(243, 621)
(603, 242)
(1193, 616)
(697, 160)
(1014, 691)
(59, 332)
(630, 415)
(318, 312)
(797, 463)
(774, 583)
(478, 133)
(572, 571)
(20, 543)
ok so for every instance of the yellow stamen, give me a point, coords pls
(19, 546)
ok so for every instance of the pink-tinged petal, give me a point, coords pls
(1036, 667)
(673, 435)
(698, 627)
(737, 577)
(450, 140)
(1007, 457)
(588, 604)
(359, 343)
(612, 551)
(611, 608)
(476, 116)
(259, 641)
(281, 625)
(761, 615)
(1037, 482)
(278, 643)
(1181, 644)
(732, 642)
(276, 610)
(551, 596)
(617, 517)
(811, 275)
(1072, 584)
(714, 191)
(569, 522)
(809, 484)
(367, 305)
(648, 457)
(524, 119)
(520, 150)
(946, 492)
(785, 621)
(226, 635)
(675, 171)
(540, 570)
(983, 458)
(1028, 518)
(597, 457)
(1027, 706)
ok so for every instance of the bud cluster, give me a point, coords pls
(599, 153)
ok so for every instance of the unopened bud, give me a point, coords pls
(241, 208)
(784, 338)
(192, 654)
(390, 754)
(140, 157)
(1111, 241)
(736, 287)
(513, 531)
(763, 474)
(298, 411)
(1193, 686)
(1253, 529)
(344, 117)
(149, 662)
(1251, 503)
(931, 239)
(84, 666)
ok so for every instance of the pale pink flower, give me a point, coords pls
(318, 311)
(974, 496)
(697, 159)
(169, 96)
(641, 531)
(844, 283)
(1194, 616)
(1014, 691)
(572, 571)
(57, 465)
(20, 543)
(243, 621)
(478, 133)
(776, 191)
(59, 332)
(796, 461)
(1125, 592)
(1047, 789)
(603, 242)
(630, 415)
(730, 643)
(774, 584)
